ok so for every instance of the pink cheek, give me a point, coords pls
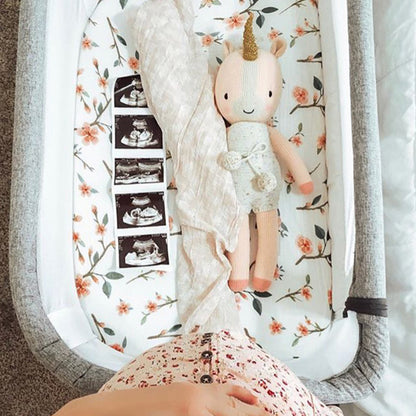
(268, 108)
(226, 109)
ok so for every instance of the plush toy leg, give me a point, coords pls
(240, 258)
(267, 226)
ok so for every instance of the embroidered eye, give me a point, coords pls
(270, 93)
(226, 95)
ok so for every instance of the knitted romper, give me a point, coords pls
(223, 357)
(252, 141)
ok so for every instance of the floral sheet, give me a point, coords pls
(131, 309)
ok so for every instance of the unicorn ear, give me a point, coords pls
(278, 47)
(228, 48)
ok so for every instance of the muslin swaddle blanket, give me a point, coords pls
(179, 91)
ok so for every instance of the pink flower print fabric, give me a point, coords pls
(223, 357)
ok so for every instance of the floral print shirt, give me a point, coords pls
(223, 357)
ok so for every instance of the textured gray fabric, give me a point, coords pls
(369, 265)
(361, 378)
(24, 382)
(42, 338)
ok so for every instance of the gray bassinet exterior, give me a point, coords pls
(367, 294)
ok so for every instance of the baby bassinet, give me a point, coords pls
(367, 291)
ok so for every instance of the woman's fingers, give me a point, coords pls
(203, 412)
(240, 393)
(223, 400)
(234, 407)
(243, 409)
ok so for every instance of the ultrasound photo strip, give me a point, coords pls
(139, 180)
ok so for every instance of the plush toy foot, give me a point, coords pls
(306, 188)
(237, 285)
(260, 285)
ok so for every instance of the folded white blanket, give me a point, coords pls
(179, 92)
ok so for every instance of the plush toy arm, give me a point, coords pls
(294, 163)
(230, 160)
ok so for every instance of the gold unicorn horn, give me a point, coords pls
(250, 49)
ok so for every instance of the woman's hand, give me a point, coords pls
(217, 400)
(176, 399)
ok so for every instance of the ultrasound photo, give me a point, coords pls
(143, 251)
(140, 210)
(138, 171)
(137, 132)
(128, 92)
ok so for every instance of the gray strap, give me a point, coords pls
(367, 306)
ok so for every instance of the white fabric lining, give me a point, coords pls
(55, 263)
(339, 156)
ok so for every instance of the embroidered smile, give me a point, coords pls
(249, 112)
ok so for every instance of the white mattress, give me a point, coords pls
(55, 259)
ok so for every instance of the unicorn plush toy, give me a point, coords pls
(248, 87)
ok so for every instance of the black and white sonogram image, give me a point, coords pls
(137, 132)
(128, 92)
(140, 210)
(143, 251)
(138, 171)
